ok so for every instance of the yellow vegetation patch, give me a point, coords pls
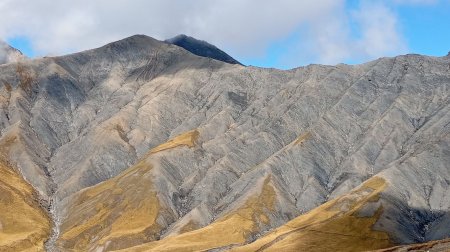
(7, 143)
(302, 138)
(117, 213)
(232, 229)
(120, 212)
(7, 86)
(23, 224)
(191, 225)
(26, 77)
(333, 226)
(186, 139)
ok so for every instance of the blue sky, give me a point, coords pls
(283, 35)
(23, 44)
(427, 28)
(424, 27)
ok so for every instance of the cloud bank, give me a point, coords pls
(331, 32)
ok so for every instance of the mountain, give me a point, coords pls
(9, 54)
(141, 145)
(201, 48)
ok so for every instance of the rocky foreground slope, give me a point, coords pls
(141, 145)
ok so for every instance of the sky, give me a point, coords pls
(281, 34)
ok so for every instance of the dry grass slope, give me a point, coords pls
(188, 139)
(302, 138)
(24, 226)
(336, 225)
(233, 229)
(333, 226)
(120, 212)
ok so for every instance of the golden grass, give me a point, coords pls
(26, 77)
(7, 86)
(302, 138)
(7, 143)
(190, 226)
(186, 139)
(24, 226)
(120, 212)
(117, 213)
(234, 228)
(333, 226)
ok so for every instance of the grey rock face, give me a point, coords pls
(318, 131)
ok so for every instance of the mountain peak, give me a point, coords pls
(137, 41)
(201, 48)
(9, 54)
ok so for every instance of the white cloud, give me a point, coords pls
(369, 31)
(380, 34)
(245, 28)
(56, 26)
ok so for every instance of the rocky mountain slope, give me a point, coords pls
(141, 145)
